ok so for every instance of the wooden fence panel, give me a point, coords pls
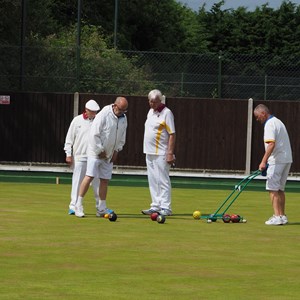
(33, 127)
(211, 133)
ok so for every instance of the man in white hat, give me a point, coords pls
(76, 151)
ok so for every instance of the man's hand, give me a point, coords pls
(102, 155)
(114, 157)
(69, 160)
(170, 158)
(262, 166)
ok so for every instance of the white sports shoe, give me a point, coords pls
(71, 210)
(102, 213)
(274, 220)
(284, 219)
(79, 211)
(149, 211)
(165, 212)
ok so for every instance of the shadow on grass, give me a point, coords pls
(141, 216)
(174, 216)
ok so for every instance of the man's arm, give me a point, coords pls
(95, 141)
(171, 148)
(69, 141)
(269, 150)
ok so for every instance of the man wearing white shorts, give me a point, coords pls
(278, 157)
(76, 147)
(107, 138)
(159, 145)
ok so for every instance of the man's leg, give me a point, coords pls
(105, 173)
(96, 186)
(102, 193)
(164, 184)
(153, 180)
(103, 188)
(275, 200)
(82, 191)
(85, 185)
(275, 197)
(281, 203)
(77, 177)
(276, 180)
(283, 181)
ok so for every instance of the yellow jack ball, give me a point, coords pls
(196, 214)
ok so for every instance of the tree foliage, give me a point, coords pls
(100, 69)
(165, 26)
(161, 25)
(141, 24)
(263, 31)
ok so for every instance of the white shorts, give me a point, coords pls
(99, 168)
(277, 176)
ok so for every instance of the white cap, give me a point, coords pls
(92, 105)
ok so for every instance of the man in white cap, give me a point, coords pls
(76, 151)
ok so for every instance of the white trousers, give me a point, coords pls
(159, 181)
(78, 175)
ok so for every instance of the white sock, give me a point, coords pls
(102, 204)
(79, 201)
(97, 202)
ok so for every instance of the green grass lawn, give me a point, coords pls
(47, 254)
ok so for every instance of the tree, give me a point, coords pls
(142, 25)
(156, 26)
(51, 65)
(10, 22)
(263, 31)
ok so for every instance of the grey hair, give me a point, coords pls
(262, 107)
(156, 94)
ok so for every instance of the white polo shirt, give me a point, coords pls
(275, 131)
(158, 126)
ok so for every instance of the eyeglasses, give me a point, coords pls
(121, 110)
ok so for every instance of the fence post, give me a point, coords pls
(78, 43)
(76, 104)
(181, 85)
(249, 136)
(220, 75)
(22, 48)
(116, 23)
(265, 91)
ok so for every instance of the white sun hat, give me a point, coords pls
(92, 105)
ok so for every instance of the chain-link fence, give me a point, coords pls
(212, 75)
